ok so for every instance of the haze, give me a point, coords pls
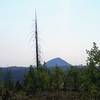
(66, 29)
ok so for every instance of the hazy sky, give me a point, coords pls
(66, 29)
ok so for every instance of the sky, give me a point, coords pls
(66, 29)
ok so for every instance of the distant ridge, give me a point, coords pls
(57, 62)
(18, 73)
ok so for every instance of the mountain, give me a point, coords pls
(57, 62)
(18, 73)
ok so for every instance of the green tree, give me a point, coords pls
(72, 79)
(57, 78)
(9, 82)
(42, 78)
(93, 63)
(29, 81)
(91, 75)
(1, 77)
(18, 86)
(93, 58)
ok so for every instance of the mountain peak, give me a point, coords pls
(57, 62)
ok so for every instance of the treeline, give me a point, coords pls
(75, 83)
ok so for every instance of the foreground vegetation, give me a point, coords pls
(75, 83)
